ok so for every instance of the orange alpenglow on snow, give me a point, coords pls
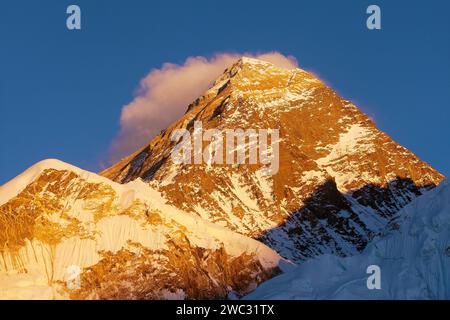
(149, 228)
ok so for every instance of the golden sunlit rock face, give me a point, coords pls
(340, 179)
(181, 271)
(149, 228)
(127, 243)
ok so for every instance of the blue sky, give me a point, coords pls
(61, 91)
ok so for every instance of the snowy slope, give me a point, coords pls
(414, 261)
(54, 216)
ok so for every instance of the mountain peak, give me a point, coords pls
(339, 181)
(251, 68)
(252, 61)
(256, 76)
(331, 155)
(60, 220)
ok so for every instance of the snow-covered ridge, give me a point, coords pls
(30, 270)
(138, 189)
(13, 187)
(254, 61)
(414, 261)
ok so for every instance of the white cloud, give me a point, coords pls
(165, 93)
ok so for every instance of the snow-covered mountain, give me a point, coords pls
(414, 261)
(340, 179)
(150, 228)
(126, 241)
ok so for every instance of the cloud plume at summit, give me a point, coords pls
(164, 94)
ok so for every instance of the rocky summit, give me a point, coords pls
(150, 227)
(340, 180)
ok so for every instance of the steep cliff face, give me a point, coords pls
(340, 179)
(126, 241)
